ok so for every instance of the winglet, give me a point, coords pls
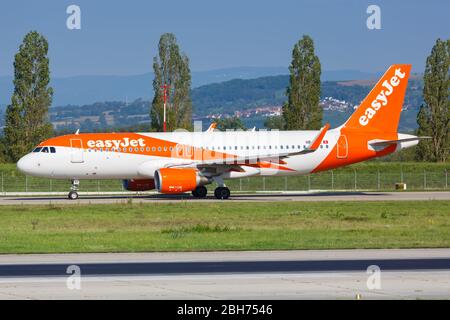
(211, 127)
(318, 140)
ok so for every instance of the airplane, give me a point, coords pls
(180, 161)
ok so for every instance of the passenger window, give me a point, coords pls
(52, 150)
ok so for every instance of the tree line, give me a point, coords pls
(27, 122)
(301, 111)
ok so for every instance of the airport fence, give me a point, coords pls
(13, 181)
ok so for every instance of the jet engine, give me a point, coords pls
(138, 184)
(178, 180)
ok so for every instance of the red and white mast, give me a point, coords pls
(165, 87)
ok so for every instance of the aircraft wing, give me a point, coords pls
(269, 157)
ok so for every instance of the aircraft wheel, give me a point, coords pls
(73, 195)
(222, 193)
(200, 192)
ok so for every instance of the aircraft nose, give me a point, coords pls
(25, 164)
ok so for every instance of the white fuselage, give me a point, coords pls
(104, 163)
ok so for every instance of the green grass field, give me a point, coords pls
(187, 226)
(372, 175)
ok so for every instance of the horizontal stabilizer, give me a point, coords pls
(389, 142)
(405, 141)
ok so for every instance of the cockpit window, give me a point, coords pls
(45, 149)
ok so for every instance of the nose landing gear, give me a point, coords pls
(73, 194)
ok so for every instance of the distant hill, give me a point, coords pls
(90, 89)
(229, 96)
(226, 98)
(233, 95)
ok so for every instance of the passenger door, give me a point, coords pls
(342, 147)
(76, 152)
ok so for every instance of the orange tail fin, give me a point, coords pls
(380, 110)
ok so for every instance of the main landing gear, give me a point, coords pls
(73, 194)
(200, 192)
(222, 193)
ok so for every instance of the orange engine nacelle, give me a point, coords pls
(139, 185)
(174, 180)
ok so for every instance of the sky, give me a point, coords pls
(121, 37)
